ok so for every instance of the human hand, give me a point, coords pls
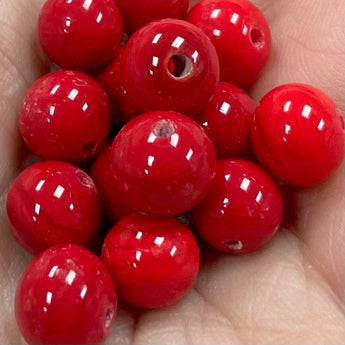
(290, 292)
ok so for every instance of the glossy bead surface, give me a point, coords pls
(163, 162)
(114, 205)
(123, 107)
(137, 13)
(298, 134)
(65, 296)
(78, 34)
(227, 120)
(241, 35)
(170, 65)
(243, 209)
(66, 116)
(153, 261)
(53, 202)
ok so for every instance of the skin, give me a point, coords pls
(292, 291)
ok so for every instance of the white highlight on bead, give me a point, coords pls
(158, 241)
(70, 277)
(59, 191)
(177, 42)
(306, 111)
(234, 18)
(245, 184)
(224, 109)
(189, 154)
(156, 38)
(73, 94)
(173, 251)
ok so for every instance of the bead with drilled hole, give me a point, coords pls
(243, 209)
(163, 162)
(241, 35)
(53, 202)
(65, 296)
(170, 64)
(66, 116)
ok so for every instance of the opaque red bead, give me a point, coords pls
(170, 64)
(243, 209)
(298, 134)
(227, 120)
(66, 116)
(163, 162)
(241, 35)
(53, 202)
(153, 261)
(65, 296)
(123, 107)
(80, 34)
(137, 13)
(101, 172)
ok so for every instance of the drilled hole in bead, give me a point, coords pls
(233, 245)
(179, 66)
(256, 37)
(163, 129)
(342, 121)
(89, 148)
(84, 178)
(109, 316)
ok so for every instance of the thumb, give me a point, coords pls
(21, 63)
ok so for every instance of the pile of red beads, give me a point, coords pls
(192, 141)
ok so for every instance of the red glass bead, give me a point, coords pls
(123, 107)
(53, 202)
(227, 120)
(153, 261)
(298, 134)
(163, 162)
(114, 205)
(65, 116)
(65, 296)
(241, 35)
(80, 34)
(151, 53)
(243, 209)
(137, 13)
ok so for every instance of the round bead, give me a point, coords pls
(114, 206)
(153, 261)
(170, 65)
(78, 34)
(243, 209)
(163, 162)
(298, 134)
(65, 296)
(227, 120)
(241, 35)
(65, 116)
(53, 202)
(123, 107)
(137, 13)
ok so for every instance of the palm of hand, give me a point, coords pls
(290, 292)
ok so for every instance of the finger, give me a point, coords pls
(308, 48)
(319, 225)
(21, 63)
